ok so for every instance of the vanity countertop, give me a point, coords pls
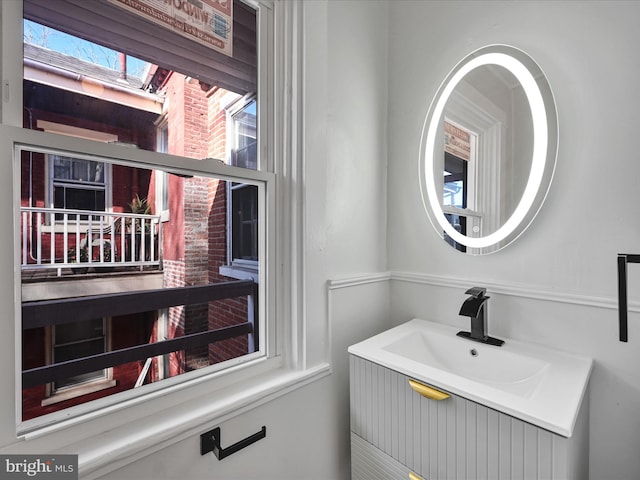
(542, 386)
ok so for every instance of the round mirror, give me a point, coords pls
(488, 149)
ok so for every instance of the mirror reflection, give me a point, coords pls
(485, 126)
(482, 184)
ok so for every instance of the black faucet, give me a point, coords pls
(476, 307)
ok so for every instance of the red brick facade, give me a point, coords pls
(198, 130)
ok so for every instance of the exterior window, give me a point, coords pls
(243, 207)
(244, 204)
(78, 184)
(77, 340)
(162, 178)
(244, 146)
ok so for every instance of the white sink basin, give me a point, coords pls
(541, 386)
(502, 369)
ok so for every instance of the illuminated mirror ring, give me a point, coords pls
(544, 120)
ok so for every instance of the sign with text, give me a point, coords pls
(457, 141)
(49, 467)
(209, 22)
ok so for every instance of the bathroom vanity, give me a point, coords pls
(426, 404)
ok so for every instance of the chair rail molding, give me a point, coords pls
(515, 290)
(509, 289)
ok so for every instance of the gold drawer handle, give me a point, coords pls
(413, 476)
(428, 392)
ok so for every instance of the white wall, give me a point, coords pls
(345, 150)
(556, 284)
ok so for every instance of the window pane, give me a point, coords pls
(459, 222)
(77, 340)
(455, 181)
(78, 198)
(171, 242)
(245, 222)
(78, 331)
(78, 170)
(79, 350)
(244, 153)
(188, 250)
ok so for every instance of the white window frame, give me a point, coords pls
(83, 149)
(230, 112)
(236, 268)
(162, 177)
(115, 434)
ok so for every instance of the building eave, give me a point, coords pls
(82, 84)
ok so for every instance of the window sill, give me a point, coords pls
(75, 392)
(240, 272)
(107, 441)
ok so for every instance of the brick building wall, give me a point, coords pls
(173, 276)
(198, 130)
(195, 271)
(126, 375)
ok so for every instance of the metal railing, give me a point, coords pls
(44, 313)
(80, 239)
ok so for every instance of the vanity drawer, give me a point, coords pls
(371, 463)
(452, 438)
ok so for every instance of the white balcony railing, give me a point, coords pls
(82, 239)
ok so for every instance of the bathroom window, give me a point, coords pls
(460, 180)
(157, 118)
(455, 181)
(139, 408)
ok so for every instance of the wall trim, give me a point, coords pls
(522, 291)
(356, 280)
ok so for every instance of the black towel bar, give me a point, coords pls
(210, 442)
(623, 327)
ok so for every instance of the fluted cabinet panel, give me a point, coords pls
(454, 438)
(370, 463)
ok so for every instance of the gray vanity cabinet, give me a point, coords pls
(397, 433)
